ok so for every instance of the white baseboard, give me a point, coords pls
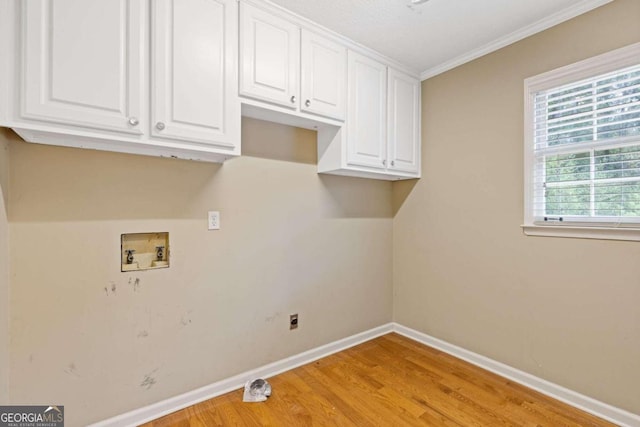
(580, 401)
(159, 409)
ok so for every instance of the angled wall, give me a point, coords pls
(565, 310)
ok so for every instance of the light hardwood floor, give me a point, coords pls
(389, 381)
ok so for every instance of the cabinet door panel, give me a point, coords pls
(367, 111)
(404, 122)
(194, 71)
(323, 76)
(83, 63)
(270, 57)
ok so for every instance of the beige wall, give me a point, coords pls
(5, 137)
(562, 309)
(103, 342)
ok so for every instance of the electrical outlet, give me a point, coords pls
(293, 321)
(214, 220)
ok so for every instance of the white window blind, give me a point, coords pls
(585, 160)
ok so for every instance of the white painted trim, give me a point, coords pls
(607, 62)
(159, 409)
(580, 401)
(617, 59)
(536, 27)
(602, 233)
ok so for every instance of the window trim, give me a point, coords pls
(602, 233)
(614, 60)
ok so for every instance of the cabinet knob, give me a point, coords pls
(133, 121)
(384, 163)
(393, 162)
(307, 103)
(293, 99)
(160, 125)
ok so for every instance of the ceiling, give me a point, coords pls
(438, 35)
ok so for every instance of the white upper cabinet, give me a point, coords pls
(285, 65)
(194, 77)
(366, 111)
(403, 128)
(269, 57)
(323, 76)
(135, 76)
(367, 116)
(83, 63)
(173, 77)
(381, 136)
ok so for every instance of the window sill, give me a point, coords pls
(602, 233)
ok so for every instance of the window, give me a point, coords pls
(582, 148)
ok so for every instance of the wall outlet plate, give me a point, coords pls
(214, 220)
(293, 321)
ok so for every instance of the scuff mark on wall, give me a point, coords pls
(185, 320)
(149, 380)
(135, 283)
(143, 334)
(72, 370)
(272, 318)
(111, 287)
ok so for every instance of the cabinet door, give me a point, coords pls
(404, 123)
(194, 73)
(83, 63)
(367, 112)
(269, 56)
(323, 76)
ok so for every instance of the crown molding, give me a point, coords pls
(536, 27)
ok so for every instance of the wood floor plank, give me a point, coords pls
(354, 402)
(497, 389)
(390, 380)
(411, 380)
